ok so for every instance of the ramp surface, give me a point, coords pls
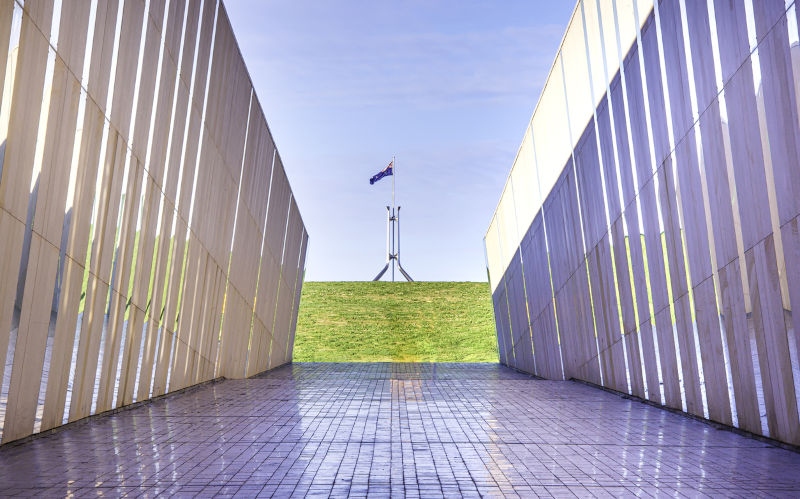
(413, 429)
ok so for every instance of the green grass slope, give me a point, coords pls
(395, 322)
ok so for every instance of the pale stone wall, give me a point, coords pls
(149, 238)
(647, 238)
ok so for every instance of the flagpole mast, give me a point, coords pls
(394, 172)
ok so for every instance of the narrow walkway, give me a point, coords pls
(381, 429)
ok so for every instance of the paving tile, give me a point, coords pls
(392, 430)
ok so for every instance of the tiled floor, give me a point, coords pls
(381, 429)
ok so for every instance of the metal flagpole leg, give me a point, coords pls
(400, 265)
(388, 227)
(398, 235)
(383, 271)
(388, 254)
(391, 255)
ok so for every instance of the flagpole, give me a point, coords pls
(394, 170)
(393, 226)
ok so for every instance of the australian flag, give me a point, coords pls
(383, 173)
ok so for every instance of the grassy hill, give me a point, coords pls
(399, 322)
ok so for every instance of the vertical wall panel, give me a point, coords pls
(699, 33)
(540, 299)
(293, 272)
(607, 317)
(623, 145)
(102, 50)
(771, 340)
(537, 277)
(552, 343)
(117, 323)
(738, 334)
(93, 321)
(791, 243)
(682, 309)
(498, 305)
(715, 163)
(747, 156)
(133, 18)
(692, 205)
(677, 71)
(608, 157)
(590, 187)
(732, 33)
(503, 327)
(294, 240)
(654, 92)
(638, 125)
(518, 313)
(780, 101)
(146, 96)
(301, 265)
(17, 168)
(626, 298)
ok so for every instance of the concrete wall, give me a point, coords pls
(647, 238)
(149, 238)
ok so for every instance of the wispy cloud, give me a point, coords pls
(429, 69)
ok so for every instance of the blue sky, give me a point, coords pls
(447, 87)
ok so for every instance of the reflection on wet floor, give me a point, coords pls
(48, 352)
(413, 429)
